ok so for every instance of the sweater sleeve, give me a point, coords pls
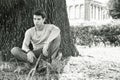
(26, 41)
(55, 32)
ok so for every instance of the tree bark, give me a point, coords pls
(16, 18)
(114, 6)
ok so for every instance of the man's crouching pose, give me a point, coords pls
(45, 39)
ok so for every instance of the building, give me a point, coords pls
(80, 11)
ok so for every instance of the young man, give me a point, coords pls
(45, 39)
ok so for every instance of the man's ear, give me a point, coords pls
(44, 19)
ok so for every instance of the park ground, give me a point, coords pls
(102, 53)
(95, 63)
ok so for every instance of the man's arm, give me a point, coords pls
(25, 47)
(26, 42)
(55, 32)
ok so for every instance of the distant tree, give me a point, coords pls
(114, 8)
(16, 17)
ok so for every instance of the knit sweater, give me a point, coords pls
(39, 38)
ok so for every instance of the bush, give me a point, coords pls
(107, 34)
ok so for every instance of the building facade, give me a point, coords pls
(86, 10)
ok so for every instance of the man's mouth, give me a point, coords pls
(37, 24)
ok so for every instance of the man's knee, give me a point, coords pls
(15, 50)
(57, 41)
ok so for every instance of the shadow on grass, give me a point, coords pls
(7, 71)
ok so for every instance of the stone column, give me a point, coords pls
(77, 10)
(80, 11)
(91, 12)
(96, 12)
(87, 10)
(101, 13)
(72, 12)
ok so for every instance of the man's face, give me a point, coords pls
(38, 20)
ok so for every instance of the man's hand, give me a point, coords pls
(45, 49)
(30, 56)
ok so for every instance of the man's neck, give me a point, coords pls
(40, 28)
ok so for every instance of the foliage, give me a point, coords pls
(108, 34)
(82, 35)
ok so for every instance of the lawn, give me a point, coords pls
(96, 63)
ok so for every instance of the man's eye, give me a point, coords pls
(36, 19)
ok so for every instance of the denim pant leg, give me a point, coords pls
(54, 47)
(37, 52)
(19, 54)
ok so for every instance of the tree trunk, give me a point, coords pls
(16, 18)
(114, 6)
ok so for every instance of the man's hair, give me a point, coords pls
(40, 13)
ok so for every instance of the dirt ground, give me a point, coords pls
(96, 63)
